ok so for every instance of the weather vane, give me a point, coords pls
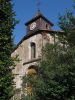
(38, 5)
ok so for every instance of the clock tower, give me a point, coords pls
(38, 22)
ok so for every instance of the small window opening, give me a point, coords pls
(46, 26)
(33, 50)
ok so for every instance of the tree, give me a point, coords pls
(56, 75)
(67, 24)
(7, 24)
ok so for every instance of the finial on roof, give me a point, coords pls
(38, 8)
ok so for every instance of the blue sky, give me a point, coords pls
(26, 9)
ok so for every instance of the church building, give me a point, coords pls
(38, 32)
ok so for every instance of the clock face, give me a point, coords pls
(32, 26)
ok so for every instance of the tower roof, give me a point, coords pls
(37, 16)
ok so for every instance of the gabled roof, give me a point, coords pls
(39, 15)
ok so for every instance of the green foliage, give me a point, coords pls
(56, 75)
(7, 23)
(67, 24)
(57, 78)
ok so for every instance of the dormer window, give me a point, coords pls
(33, 50)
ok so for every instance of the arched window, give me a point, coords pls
(33, 50)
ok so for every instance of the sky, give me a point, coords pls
(26, 10)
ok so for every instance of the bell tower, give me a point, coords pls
(38, 22)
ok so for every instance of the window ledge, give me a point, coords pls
(32, 60)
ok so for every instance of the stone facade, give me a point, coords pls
(24, 52)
